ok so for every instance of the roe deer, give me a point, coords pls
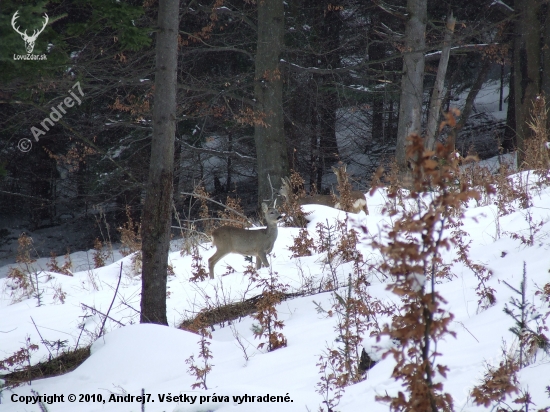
(357, 200)
(259, 243)
(286, 191)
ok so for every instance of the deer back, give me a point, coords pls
(286, 191)
(248, 241)
(325, 200)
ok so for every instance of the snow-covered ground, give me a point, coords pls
(133, 357)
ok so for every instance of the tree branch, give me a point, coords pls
(221, 153)
(94, 311)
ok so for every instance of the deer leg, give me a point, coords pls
(261, 258)
(213, 260)
(258, 262)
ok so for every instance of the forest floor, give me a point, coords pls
(504, 235)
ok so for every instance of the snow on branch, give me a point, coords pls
(458, 49)
(502, 6)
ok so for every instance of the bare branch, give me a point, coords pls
(221, 153)
(468, 48)
(503, 7)
(213, 92)
(111, 305)
(94, 311)
(1, 331)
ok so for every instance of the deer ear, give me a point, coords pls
(264, 207)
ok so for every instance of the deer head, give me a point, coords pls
(29, 40)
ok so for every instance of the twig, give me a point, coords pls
(84, 318)
(177, 215)
(134, 309)
(81, 331)
(41, 405)
(233, 155)
(27, 196)
(131, 307)
(112, 301)
(43, 341)
(1, 331)
(94, 311)
(142, 397)
(272, 190)
(462, 324)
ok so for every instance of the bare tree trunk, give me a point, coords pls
(412, 81)
(545, 87)
(435, 102)
(331, 28)
(327, 107)
(501, 89)
(526, 67)
(509, 138)
(314, 146)
(377, 51)
(155, 222)
(472, 94)
(270, 140)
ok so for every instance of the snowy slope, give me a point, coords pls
(151, 357)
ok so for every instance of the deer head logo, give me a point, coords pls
(29, 40)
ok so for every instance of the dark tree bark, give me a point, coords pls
(316, 170)
(412, 80)
(331, 28)
(327, 121)
(155, 222)
(472, 94)
(377, 51)
(545, 86)
(271, 153)
(509, 141)
(526, 67)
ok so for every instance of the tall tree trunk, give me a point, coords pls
(472, 94)
(331, 28)
(545, 87)
(526, 67)
(509, 138)
(377, 51)
(436, 100)
(313, 145)
(412, 80)
(328, 104)
(155, 222)
(271, 153)
(390, 126)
